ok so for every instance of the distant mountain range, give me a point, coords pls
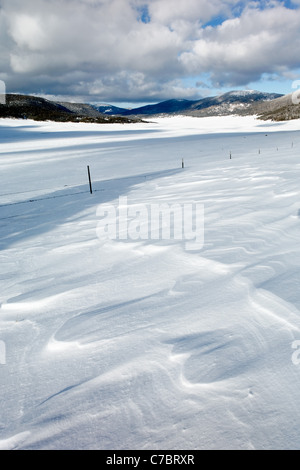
(228, 103)
(281, 109)
(40, 109)
(267, 106)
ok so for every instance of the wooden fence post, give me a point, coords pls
(90, 181)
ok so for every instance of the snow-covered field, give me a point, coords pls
(144, 344)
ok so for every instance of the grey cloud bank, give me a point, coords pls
(149, 50)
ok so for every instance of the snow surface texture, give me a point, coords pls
(143, 344)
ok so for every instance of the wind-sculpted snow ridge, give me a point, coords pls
(143, 344)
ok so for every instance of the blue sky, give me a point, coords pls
(133, 52)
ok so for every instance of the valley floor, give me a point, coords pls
(146, 343)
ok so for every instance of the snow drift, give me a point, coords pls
(123, 344)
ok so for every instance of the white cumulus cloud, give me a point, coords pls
(143, 49)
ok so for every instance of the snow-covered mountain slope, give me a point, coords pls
(145, 344)
(109, 109)
(238, 102)
(41, 109)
